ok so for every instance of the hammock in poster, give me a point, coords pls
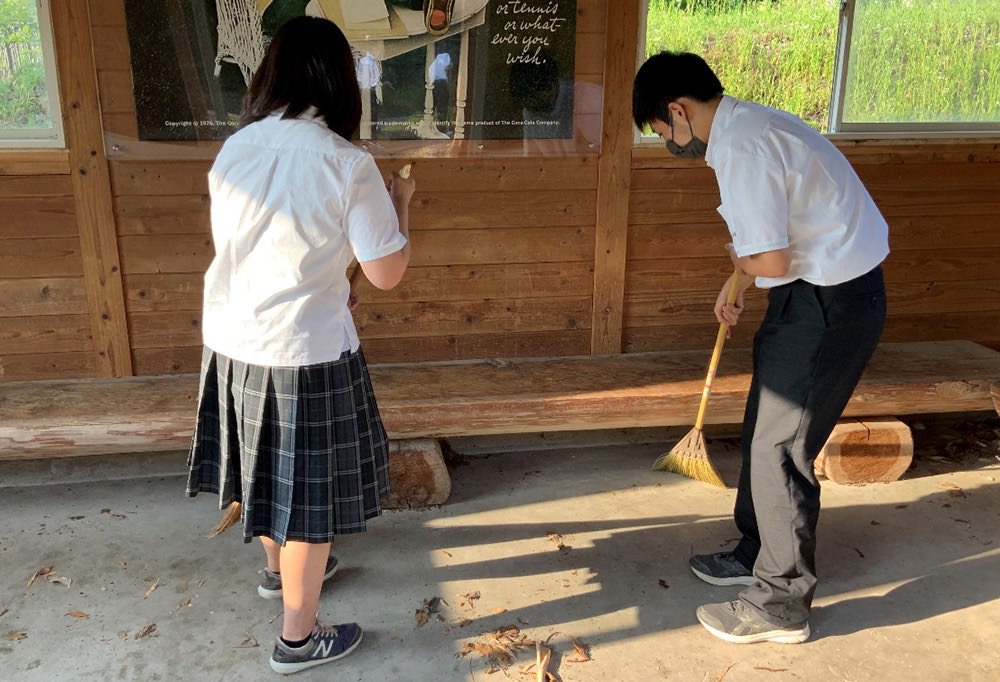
(378, 30)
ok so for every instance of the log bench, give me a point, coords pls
(426, 401)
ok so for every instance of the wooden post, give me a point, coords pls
(614, 177)
(91, 186)
(866, 451)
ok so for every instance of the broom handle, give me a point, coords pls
(713, 365)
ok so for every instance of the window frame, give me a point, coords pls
(42, 138)
(836, 129)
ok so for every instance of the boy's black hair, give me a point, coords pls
(665, 77)
(308, 64)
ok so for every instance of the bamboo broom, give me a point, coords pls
(690, 456)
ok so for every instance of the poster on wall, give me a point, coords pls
(428, 69)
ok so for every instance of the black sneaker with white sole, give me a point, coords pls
(270, 584)
(721, 568)
(327, 643)
(736, 622)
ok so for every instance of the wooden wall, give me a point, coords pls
(942, 277)
(563, 250)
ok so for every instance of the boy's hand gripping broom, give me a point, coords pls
(690, 456)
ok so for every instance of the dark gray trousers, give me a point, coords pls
(808, 356)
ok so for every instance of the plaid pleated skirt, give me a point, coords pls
(302, 449)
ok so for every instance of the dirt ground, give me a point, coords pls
(583, 548)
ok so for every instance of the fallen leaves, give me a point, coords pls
(46, 572)
(153, 586)
(469, 598)
(16, 635)
(148, 631)
(558, 540)
(499, 646)
(79, 615)
(3, 612)
(663, 584)
(724, 673)
(431, 606)
(582, 652)
(249, 642)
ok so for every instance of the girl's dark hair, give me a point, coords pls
(665, 77)
(308, 63)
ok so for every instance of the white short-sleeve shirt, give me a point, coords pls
(292, 202)
(783, 185)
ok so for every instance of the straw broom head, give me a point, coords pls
(690, 458)
(230, 516)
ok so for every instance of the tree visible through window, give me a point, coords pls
(27, 93)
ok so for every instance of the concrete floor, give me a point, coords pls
(910, 578)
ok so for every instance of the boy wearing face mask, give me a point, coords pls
(804, 228)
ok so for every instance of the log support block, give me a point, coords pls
(866, 451)
(418, 476)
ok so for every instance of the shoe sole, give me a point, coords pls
(276, 594)
(744, 580)
(777, 636)
(289, 668)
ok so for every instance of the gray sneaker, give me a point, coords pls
(721, 568)
(736, 622)
(327, 642)
(270, 584)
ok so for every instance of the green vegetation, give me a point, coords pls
(913, 60)
(23, 99)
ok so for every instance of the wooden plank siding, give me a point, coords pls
(939, 199)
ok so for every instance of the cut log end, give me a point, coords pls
(418, 476)
(866, 451)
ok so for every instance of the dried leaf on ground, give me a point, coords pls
(431, 606)
(16, 635)
(469, 598)
(79, 615)
(724, 673)
(249, 642)
(499, 646)
(44, 570)
(153, 586)
(543, 655)
(3, 612)
(770, 670)
(498, 610)
(62, 580)
(663, 584)
(122, 564)
(582, 652)
(148, 631)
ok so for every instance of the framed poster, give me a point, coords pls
(428, 69)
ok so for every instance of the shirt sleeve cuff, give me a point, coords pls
(383, 250)
(753, 249)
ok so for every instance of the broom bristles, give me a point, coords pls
(230, 516)
(690, 458)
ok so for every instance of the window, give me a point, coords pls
(848, 66)
(919, 65)
(29, 102)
